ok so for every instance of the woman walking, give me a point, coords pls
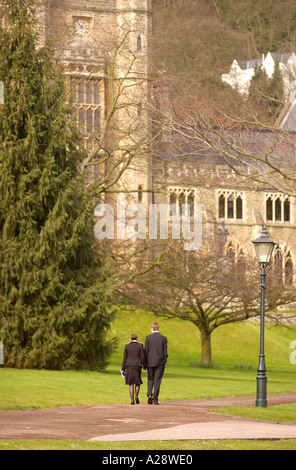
(133, 360)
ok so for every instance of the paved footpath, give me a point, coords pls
(171, 420)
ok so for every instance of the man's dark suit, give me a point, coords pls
(156, 356)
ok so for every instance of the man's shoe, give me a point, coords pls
(137, 401)
(149, 400)
(155, 402)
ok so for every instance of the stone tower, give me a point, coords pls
(103, 46)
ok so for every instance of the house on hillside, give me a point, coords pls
(242, 71)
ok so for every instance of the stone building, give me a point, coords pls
(235, 202)
(103, 45)
(86, 34)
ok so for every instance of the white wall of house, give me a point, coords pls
(239, 77)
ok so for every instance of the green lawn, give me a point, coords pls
(235, 357)
(229, 444)
(279, 413)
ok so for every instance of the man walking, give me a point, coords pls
(156, 355)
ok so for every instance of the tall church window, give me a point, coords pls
(140, 193)
(173, 202)
(269, 208)
(230, 207)
(86, 97)
(286, 210)
(239, 207)
(85, 94)
(181, 200)
(230, 204)
(278, 207)
(139, 43)
(221, 206)
(190, 201)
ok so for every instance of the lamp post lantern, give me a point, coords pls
(263, 248)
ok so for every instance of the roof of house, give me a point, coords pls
(288, 122)
(234, 147)
(281, 58)
(249, 64)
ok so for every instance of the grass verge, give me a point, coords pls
(192, 445)
(277, 413)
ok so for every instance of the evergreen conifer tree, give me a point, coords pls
(267, 94)
(53, 287)
(276, 91)
(258, 91)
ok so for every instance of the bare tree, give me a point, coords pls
(205, 288)
(205, 114)
(261, 156)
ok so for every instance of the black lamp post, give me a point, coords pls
(263, 248)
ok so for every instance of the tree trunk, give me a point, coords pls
(206, 349)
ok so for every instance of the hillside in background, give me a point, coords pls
(195, 41)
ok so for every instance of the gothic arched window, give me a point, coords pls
(235, 253)
(289, 269)
(179, 196)
(282, 265)
(230, 204)
(278, 207)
